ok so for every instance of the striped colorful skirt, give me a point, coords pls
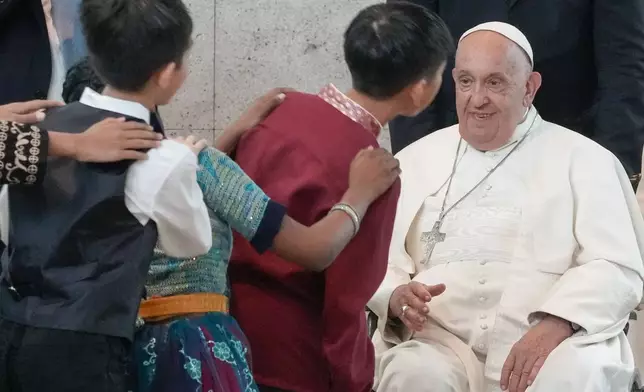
(202, 354)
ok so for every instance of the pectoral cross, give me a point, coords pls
(430, 239)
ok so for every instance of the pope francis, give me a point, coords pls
(517, 249)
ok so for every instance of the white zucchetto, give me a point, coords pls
(508, 31)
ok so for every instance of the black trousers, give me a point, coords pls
(40, 359)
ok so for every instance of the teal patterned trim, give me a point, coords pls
(230, 193)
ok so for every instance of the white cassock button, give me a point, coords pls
(483, 316)
(481, 346)
(483, 262)
(482, 299)
(482, 281)
(487, 188)
(483, 326)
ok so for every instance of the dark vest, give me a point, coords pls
(78, 258)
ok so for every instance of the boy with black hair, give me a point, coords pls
(308, 330)
(81, 241)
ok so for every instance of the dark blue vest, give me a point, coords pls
(78, 258)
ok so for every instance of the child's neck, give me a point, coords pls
(133, 97)
(383, 111)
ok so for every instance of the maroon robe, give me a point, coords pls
(307, 330)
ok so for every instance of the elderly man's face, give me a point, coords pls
(493, 89)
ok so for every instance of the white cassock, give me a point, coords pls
(555, 229)
(636, 331)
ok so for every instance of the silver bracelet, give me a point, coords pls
(351, 212)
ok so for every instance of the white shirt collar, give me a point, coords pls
(103, 102)
(525, 125)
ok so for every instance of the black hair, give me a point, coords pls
(390, 46)
(130, 40)
(79, 76)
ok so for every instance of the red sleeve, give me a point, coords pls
(350, 282)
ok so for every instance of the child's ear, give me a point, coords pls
(165, 76)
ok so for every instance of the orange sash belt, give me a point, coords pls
(163, 308)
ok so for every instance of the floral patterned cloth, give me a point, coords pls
(210, 353)
(205, 354)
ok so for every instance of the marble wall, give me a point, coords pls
(243, 48)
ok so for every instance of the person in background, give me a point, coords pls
(66, 17)
(80, 76)
(308, 329)
(29, 43)
(591, 56)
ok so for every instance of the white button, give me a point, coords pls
(482, 299)
(481, 346)
(483, 262)
(487, 188)
(482, 281)
(483, 316)
(484, 326)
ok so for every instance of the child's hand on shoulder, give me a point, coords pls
(194, 144)
(260, 109)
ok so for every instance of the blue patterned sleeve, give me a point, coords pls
(237, 200)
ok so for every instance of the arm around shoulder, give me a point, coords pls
(372, 180)
(164, 188)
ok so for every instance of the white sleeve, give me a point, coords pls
(164, 188)
(605, 282)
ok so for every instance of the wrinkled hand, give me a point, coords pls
(113, 140)
(414, 296)
(192, 143)
(371, 174)
(528, 355)
(261, 108)
(27, 112)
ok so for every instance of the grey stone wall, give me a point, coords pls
(242, 48)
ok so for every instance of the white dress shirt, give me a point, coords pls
(163, 188)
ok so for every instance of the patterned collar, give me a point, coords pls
(334, 97)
